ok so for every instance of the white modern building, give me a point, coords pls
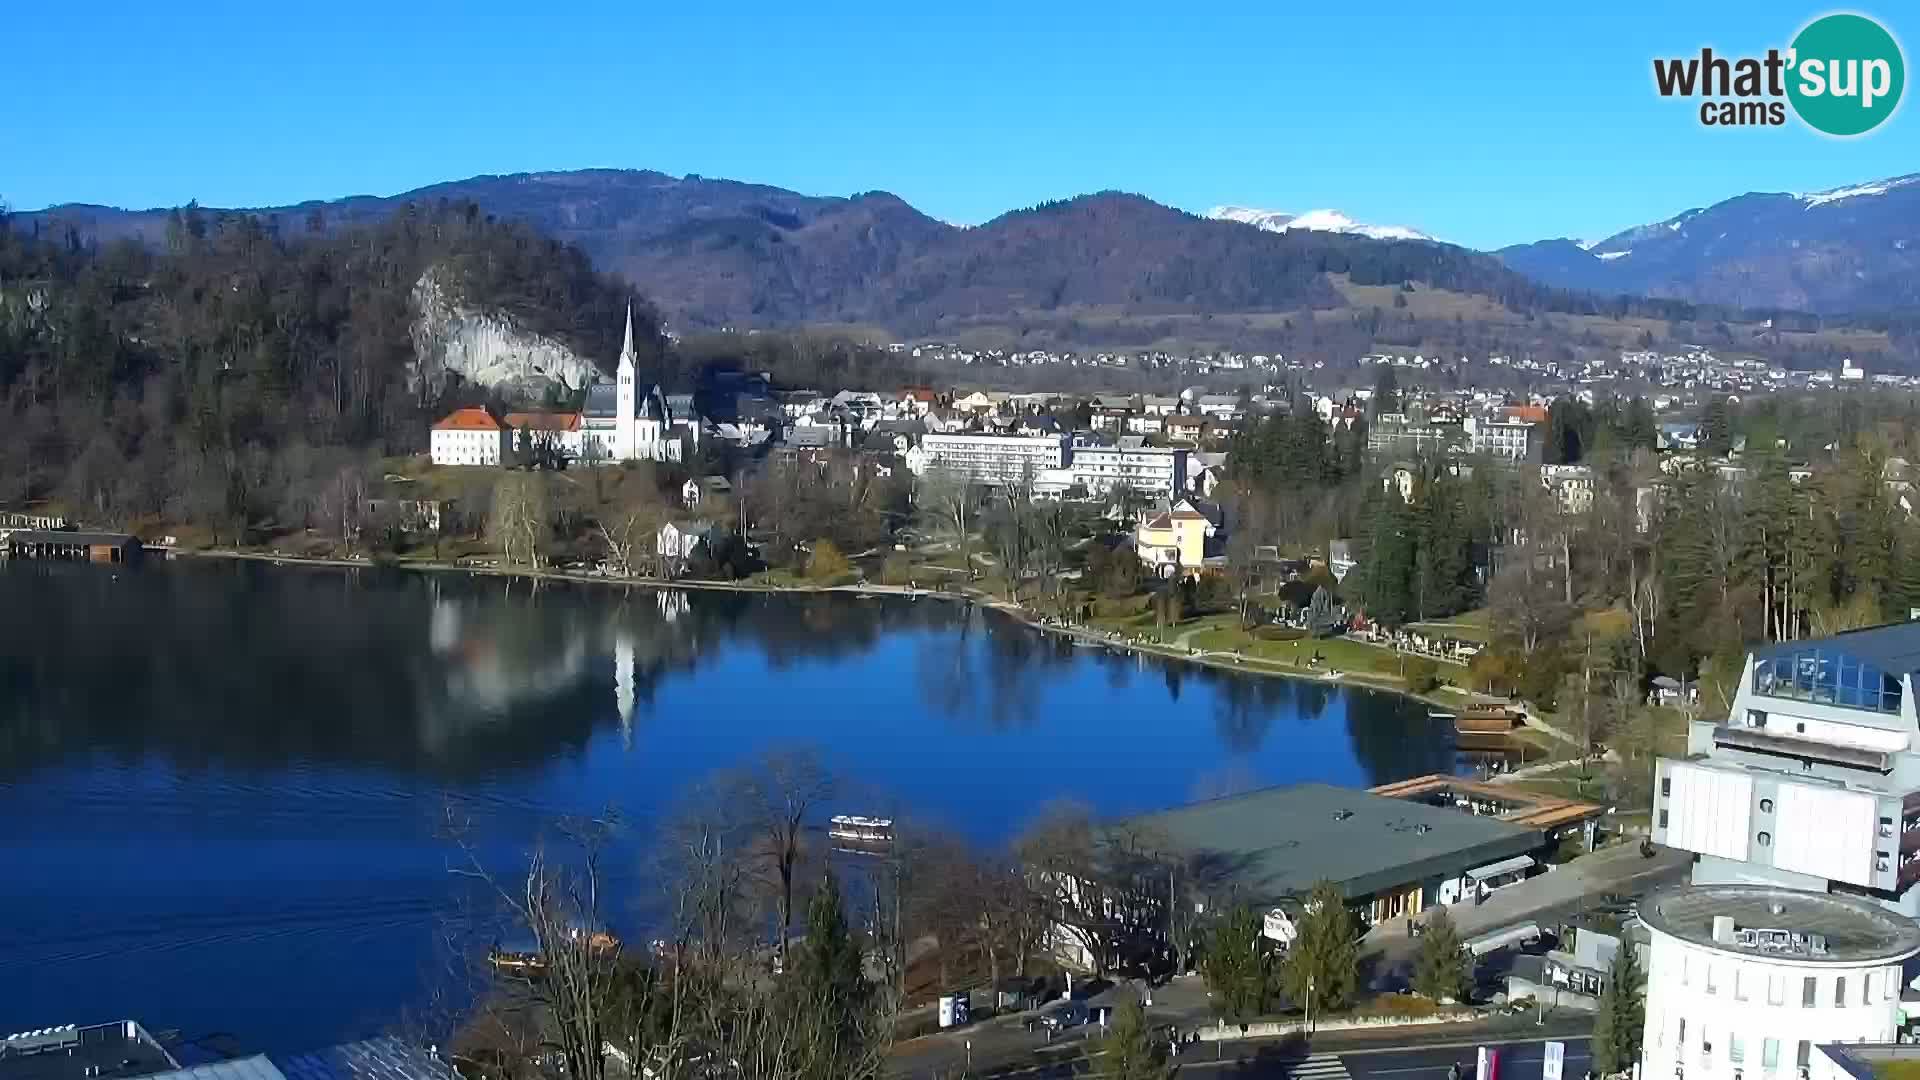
(1510, 439)
(1743, 981)
(470, 436)
(989, 459)
(1156, 471)
(1812, 781)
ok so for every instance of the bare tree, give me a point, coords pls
(785, 789)
(519, 519)
(557, 902)
(948, 498)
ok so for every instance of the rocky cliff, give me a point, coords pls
(488, 348)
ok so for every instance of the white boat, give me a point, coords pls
(1332, 675)
(864, 831)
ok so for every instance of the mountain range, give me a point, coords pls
(1855, 248)
(713, 253)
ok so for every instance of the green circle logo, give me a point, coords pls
(1847, 74)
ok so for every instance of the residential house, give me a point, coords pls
(1340, 558)
(700, 491)
(679, 541)
(1189, 429)
(1145, 423)
(1571, 486)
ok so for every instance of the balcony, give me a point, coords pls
(1735, 737)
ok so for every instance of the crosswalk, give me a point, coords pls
(1318, 1067)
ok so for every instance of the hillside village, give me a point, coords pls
(1153, 474)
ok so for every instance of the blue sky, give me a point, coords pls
(1498, 125)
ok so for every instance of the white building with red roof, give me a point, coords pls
(471, 436)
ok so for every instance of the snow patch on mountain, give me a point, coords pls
(1313, 220)
(1878, 187)
(1609, 256)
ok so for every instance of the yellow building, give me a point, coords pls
(1173, 542)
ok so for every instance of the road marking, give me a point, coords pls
(1313, 1067)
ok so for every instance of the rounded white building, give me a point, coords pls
(1744, 980)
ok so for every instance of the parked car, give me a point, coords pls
(1067, 1014)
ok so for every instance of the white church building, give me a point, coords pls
(621, 424)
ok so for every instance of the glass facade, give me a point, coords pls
(1827, 677)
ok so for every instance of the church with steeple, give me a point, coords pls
(622, 423)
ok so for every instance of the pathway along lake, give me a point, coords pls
(223, 784)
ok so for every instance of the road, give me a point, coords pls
(1394, 1054)
(1519, 1059)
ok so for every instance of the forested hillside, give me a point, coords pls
(214, 375)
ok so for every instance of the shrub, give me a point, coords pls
(826, 561)
(1422, 674)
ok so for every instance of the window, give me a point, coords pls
(1766, 806)
(1769, 1053)
(1800, 1053)
(1756, 718)
(1840, 992)
(1711, 988)
(1680, 1040)
(1739, 986)
(1866, 988)
(1663, 819)
(1776, 990)
(1765, 839)
(1807, 993)
(1736, 1050)
(1666, 786)
(1686, 962)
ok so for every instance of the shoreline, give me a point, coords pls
(1018, 613)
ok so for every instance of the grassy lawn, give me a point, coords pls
(1467, 626)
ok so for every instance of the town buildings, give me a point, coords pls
(1500, 437)
(1812, 780)
(1746, 980)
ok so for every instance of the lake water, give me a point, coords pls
(224, 786)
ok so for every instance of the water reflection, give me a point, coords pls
(196, 742)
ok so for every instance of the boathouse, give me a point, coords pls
(74, 546)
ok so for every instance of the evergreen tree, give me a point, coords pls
(1622, 1015)
(828, 994)
(1132, 1052)
(1322, 967)
(1386, 391)
(1442, 969)
(1236, 967)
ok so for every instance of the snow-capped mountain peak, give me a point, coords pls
(1313, 220)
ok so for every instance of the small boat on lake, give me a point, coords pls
(858, 835)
